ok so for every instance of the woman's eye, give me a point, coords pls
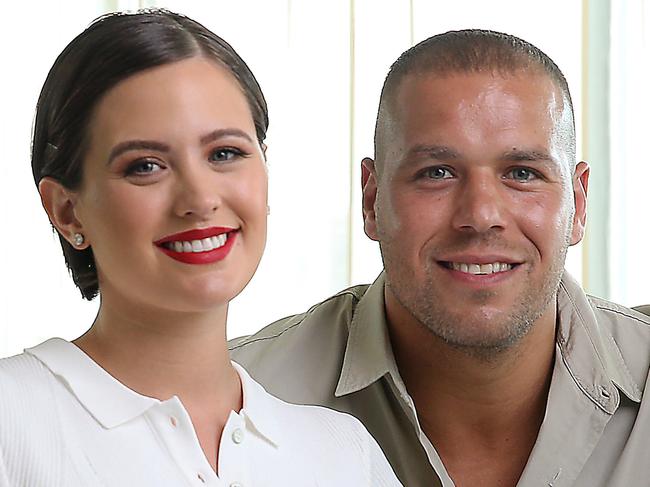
(225, 154)
(143, 168)
(437, 172)
(522, 174)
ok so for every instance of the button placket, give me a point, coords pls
(237, 436)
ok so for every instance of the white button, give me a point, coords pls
(236, 484)
(173, 421)
(238, 436)
(201, 477)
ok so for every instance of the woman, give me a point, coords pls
(149, 158)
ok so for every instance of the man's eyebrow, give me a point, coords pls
(534, 155)
(219, 133)
(439, 152)
(129, 145)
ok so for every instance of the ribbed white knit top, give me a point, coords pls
(64, 421)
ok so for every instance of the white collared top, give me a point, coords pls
(64, 421)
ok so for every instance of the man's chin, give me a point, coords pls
(482, 335)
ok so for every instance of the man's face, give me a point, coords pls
(474, 202)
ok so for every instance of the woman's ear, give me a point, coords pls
(59, 203)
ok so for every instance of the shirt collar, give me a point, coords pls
(111, 403)
(259, 407)
(588, 351)
(368, 353)
(107, 400)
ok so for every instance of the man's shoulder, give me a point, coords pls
(630, 331)
(617, 316)
(299, 358)
(335, 310)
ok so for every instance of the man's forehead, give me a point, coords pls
(423, 99)
(528, 83)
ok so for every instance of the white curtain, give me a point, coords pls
(630, 160)
(321, 65)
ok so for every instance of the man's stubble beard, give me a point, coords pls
(455, 328)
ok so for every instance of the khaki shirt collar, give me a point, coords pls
(589, 352)
(111, 403)
(368, 354)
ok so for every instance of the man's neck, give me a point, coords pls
(482, 414)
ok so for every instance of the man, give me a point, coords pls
(473, 358)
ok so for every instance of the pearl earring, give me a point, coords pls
(78, 239)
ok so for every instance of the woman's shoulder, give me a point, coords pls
(25, 383)
(23, 371)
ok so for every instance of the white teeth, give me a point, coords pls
(487, 268)
(203, 245)
(480, 268)
(207, 244)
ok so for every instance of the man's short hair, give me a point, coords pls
(473, 51)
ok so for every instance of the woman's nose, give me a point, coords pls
(198, 194)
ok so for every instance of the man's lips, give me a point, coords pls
(480, 265)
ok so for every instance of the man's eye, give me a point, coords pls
(225, 154)
(437, 172)
(143, 168)
(522, 174)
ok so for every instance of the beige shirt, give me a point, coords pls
(596, 431)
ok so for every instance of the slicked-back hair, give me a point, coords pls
(473, 51)
(112, 48)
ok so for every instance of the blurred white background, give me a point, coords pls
(321, 65)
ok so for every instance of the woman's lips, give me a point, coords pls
(203, 246)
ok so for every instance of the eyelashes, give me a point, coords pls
(147, 167)
(520, 174)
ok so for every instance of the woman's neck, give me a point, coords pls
(161, 353)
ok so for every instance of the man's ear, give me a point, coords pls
(580, 186)
(59, 203)
(369, 188)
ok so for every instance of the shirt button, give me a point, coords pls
(173, 421)
(237, 436)
(236, 484)
(201, 478)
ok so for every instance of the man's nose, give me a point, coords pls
(197, 193)
(480, 204)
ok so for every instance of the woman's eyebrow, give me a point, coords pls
(228, 132)
(128, 145)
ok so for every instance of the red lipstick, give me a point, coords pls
(203, 257)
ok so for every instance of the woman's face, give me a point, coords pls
(174, 195)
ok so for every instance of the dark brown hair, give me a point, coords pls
(112, 48)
